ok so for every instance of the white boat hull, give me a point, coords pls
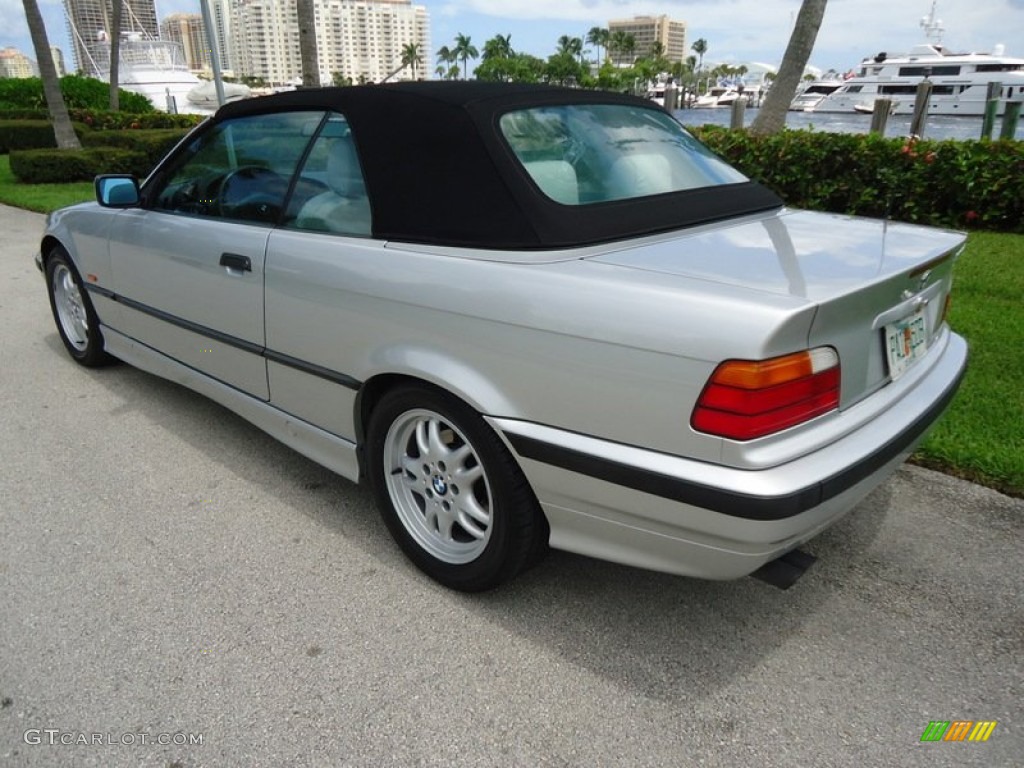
(905, 106)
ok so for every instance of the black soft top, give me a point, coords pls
(438, 170)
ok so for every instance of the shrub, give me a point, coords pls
(154, 144)
(949, 183)
(105, 120)
(79, 93)
(30, 134)
(41, 166)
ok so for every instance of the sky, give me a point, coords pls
(736, 31)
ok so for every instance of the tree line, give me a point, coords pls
(617, 63)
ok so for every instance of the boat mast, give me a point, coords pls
(932, 26)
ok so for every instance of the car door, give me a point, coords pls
(321, 264)
(188, 266)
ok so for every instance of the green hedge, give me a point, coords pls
(105, 120)
(154, 144)
(51, 166)
(79, 93)
(30, 134)
(962, 184)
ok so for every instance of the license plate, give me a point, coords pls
(906, 342)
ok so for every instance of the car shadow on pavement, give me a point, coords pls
(667, 637)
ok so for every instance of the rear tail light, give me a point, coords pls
(746, 399)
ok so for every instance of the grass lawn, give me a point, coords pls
(981, 437)
(39, 197)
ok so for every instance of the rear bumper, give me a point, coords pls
(667, 513)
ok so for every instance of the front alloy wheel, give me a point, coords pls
(450, 493)
(76, 320)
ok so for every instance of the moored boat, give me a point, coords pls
(724, 95)
(960, 81)
(808, 99)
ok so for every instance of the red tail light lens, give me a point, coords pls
(746, 399)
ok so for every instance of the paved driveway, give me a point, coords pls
(167, 573)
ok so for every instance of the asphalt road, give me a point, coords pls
(165, 568)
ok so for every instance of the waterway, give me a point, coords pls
(937, 126)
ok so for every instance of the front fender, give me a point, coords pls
(83, 231)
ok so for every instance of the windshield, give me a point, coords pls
(583, 154)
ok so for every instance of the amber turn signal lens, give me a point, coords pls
(747, 399)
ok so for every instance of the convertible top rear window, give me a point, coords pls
(597, 153)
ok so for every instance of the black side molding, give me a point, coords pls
(313, 369)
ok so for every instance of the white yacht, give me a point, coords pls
(959, 80)
(155, 69)
(724, 96)
(150, 67)
(811, 95)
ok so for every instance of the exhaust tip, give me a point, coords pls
(783, 572)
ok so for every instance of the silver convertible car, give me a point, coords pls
(527, 317)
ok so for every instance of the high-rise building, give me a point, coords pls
(188, 30)
(15, 64)
(58, 60)
(361, 40)
(89, 27)
(221, 12)
(265, 40)
(647, 31)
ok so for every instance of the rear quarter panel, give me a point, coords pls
(582, 346)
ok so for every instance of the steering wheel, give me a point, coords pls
(250, 192)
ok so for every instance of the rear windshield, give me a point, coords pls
(582, 154)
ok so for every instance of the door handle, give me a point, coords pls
(236, 262)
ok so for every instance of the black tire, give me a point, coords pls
(433, 501)
(76, 319)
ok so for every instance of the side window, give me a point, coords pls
(330, 194)
(239, 169)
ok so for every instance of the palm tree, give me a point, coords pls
(63, 132)
(623, 44)
(771, 118)
(498, 47)
(446, 62)
(464, 51)
(570, 45)
(598, 37)
(700, 48)
(411, 57)
(115, 56)
(307, 43)
(629, 46)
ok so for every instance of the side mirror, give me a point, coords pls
(117, 191)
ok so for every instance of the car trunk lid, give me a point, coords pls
(879, 288)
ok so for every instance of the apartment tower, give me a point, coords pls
(646, 32)
(89, 27)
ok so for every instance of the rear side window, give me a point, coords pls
(330, 193)
(583, 154)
